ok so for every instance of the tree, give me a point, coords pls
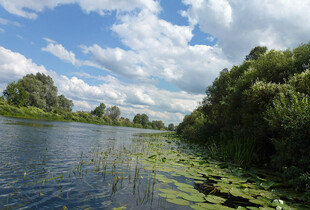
(16, 95)
(137, 119)
(158, 124)
(99, 110)
(113, 113)
(64, 103)
(256, 52)
(144, 120)
(171, 127)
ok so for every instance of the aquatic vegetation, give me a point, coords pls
(156, 170)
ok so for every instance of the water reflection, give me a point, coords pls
(46, 164)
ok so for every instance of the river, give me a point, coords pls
(39, 160)
(67, 165)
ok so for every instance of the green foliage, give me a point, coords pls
(16, 95)
(192, 126)
(64, 103)
(99, 110)
(143, 120)
(137, 119)
(256, 52)
(36, 90)
(35, 97)
(289, 117)
(171, 127)
(261, 107)
(158, 125)
(113, 113)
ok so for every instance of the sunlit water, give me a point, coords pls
(47, 165)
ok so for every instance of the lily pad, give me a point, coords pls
(179, 184)
(215, 199)
(194, 198)
(238, 193)
(178, 201)
(210, 206)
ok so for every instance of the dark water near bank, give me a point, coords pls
(47, 165)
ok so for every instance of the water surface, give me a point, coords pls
(46, 164)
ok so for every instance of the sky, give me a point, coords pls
(144, 56)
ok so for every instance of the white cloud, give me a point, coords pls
(13, 66)
(116, 60)
(30, 8)
(131, 98)
(7, 22)
(59, 51)
(2, 30)
(242, 25)
(81, 105)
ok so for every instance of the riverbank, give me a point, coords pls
(225, 185)
(35, 113)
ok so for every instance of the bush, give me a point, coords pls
(290, 118)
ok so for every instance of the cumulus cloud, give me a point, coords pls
(242, 25)
(59, 51)
(159, 49)
(131, 98)
(31, 8)
(14, 65)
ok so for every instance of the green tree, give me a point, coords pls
(113, 113)
(171, 127)
(16, 95)
(99, 110)
(64, 103)
(144, 120)
(256, 52)
(137, 119)
(158, 124)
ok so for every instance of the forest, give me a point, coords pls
(258, 114)
(36, 97)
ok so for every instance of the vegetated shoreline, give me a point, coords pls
(34, 113)
(36, 97)
(261, 178)
(258, 114)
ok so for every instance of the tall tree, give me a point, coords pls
(99, 110)
(144, 120)
(171, 127)
(137, 119)
(113, 113)
(64, 103)
(16, 95)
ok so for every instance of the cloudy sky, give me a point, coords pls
(145, 56)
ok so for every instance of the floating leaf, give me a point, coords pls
(210, 206)
(238, 193)
(215, 199)
(166, 195)
(178, 201)
(194, 198)
(179, 184)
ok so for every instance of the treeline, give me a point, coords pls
(36, 96)
(259, 113)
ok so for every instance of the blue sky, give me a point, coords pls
(145, 56)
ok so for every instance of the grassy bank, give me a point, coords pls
(31, 112)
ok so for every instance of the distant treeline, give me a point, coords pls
(259, 113)
(36, 97)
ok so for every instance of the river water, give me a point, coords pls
(48, 165)
(66, 165)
